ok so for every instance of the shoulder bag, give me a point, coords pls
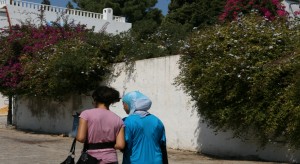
(71, 156)
(85, 158)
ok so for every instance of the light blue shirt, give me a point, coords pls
(144, 137)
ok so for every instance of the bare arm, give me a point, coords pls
(120, 140)
(82, 130)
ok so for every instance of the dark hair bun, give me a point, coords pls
(106, 95)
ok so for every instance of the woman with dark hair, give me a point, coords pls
(101, 129)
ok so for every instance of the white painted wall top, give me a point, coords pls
(22, 11)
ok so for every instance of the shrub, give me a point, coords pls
(244, 76)
(267, 8)
(54, 61)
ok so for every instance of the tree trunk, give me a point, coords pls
(9, 114)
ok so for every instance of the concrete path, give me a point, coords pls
(3, 120)
(19, 147)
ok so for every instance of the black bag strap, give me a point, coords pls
(72, 150)
(84, 149)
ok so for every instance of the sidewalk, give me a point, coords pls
(19, 147)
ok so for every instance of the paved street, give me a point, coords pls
(19, 147)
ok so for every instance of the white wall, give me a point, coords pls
(42, 115)
(22, 11)
(291, 6)
(3, 101)
(3, 19)
(184, 128)
(154, 78)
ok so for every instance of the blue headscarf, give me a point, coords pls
(137, 102)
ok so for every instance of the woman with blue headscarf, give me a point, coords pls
(144, 133)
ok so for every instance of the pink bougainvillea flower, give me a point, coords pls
(297, 13)
(281, 13)
(10, 74)
(268, 8)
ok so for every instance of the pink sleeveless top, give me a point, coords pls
(103, 126)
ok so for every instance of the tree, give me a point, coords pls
(195, 13)
(133, 10)
(70, 5)
(99, 5)
(141, 13)
(46, 2)
(143, 28)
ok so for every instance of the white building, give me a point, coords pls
(14, 12)
(292, 7)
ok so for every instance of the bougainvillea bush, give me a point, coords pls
(53, 61)
(267, 8)
(245, 76)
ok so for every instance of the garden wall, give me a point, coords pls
(3, 101)
(3, 19)
(184, 128)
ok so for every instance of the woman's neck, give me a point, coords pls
(102, 106)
